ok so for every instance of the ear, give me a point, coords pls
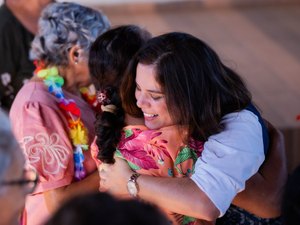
(74, 55)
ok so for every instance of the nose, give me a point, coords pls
(141, 100)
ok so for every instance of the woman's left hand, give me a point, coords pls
(114, 177)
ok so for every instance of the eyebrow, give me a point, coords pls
(151, 91)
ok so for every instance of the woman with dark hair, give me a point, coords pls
(50, 116)
(187, 96)
(108, 61)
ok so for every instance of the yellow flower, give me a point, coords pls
(44, 73)
(78, 134)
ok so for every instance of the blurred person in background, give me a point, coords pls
(101, 208)
(50, 116)
(15, 181)
(18, 25)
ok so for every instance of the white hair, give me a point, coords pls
(64, 25)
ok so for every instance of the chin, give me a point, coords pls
(152, 126)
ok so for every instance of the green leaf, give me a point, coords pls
(133, 166)
(187, 220)
(185, 154)
(128, 133)
(119, 154)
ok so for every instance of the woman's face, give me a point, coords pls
(150, 98)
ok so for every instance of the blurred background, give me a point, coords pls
(260, 39)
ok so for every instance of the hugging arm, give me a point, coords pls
(267, 184)
(219, 175)
(169, 193)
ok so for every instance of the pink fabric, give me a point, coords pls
(157, 153)
(42, 129)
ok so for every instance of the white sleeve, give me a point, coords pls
(230, 158)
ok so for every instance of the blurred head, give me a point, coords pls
(108, 61)
(112, 51)
(101, 208)
(187, 85)
(14, 181)
(66, 32)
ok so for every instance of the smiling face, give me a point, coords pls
(150, 98)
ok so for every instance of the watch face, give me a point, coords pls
(132, 189)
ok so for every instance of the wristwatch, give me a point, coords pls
(132, 185)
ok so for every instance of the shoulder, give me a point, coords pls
(238, 118)
(34, 103)
(240, 139)
(238, 126)
(34, 92)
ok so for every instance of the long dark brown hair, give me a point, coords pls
(199, 88)
(108, 61)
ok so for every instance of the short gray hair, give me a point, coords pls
(8, 144)
(63, 25)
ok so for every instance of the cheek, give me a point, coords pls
(85, 69)
(164, 110)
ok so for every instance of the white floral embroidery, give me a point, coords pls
(46, 148)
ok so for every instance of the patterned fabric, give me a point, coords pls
(238, 216)
(158, 153)
(42, 130)
(15, 66)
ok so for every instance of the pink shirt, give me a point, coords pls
(42, 130)
(159, 153)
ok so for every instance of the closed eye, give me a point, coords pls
(156, 97)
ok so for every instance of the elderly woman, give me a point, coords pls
(50, 116)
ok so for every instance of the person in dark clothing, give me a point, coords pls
(18, 24)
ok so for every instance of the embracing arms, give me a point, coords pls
(220, 173)
(169, 193)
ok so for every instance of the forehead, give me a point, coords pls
(146, 77)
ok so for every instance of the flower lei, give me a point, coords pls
(78, 133)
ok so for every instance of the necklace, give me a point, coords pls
(77, 133)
